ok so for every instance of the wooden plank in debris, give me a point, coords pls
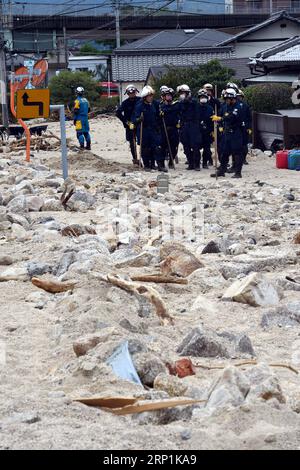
(52, 286)
(107, 402)
(159, 279)
(152, 406)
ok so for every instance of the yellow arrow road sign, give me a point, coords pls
(33, 104)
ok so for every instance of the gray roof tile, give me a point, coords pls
(286, 51)
(177, 39)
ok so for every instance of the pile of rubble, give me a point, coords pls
(208, 320)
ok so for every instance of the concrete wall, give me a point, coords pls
(265, 38)
(89, 64)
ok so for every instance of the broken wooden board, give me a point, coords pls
(54, 287)
(139, 289)
(124, 406)
(153, 406)
(158, 278)
(107, 402)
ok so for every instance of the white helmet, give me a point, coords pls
(131, 89)
(183, 88)
(146, 91)
(208, 86)
(79, 90)
(163, 89)
(232, 85)
(240, 93)
(230, 93)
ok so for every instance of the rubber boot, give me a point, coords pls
(231, 170)
(161, 167)
(220, 172)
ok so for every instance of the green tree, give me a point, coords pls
(196, 76)
(88, 49)
(267, 98)
(63, 86)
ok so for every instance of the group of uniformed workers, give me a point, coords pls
(159, 125)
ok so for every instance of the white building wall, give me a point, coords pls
(89, 64)
(265, 38)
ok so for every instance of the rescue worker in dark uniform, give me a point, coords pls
(81, 121)
(220, 128)
(232, 123)
(212, 100)
(170, 116)
(124, 113)
(163, 89)
(147, 120)
(247, 128)
(215, 104)
(206, 126)
(231, 169)
(190, 135)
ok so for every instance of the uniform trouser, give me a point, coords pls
(131, 139)
(237, 158)
(151, 148)
(220, 144)
(150, 155)
(245, 144)
(84, 136)
(233, 146)
(245, 152)
(190, 138)
(206, 153)
(173, 141)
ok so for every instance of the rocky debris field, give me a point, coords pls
(74, 289)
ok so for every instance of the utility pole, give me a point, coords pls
(66, 47)
(117, 14)
(271, 7)
(116, 4)
(3, 76)
(178, 10)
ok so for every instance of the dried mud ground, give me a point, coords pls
(39, 372)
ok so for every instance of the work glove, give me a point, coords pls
(221, 129)
(226, 114)
(178, 125)
(131, 126)
(161, 113)
(216, 118)
(212, 134)
(249, 131)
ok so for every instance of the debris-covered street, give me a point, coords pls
(73, 291)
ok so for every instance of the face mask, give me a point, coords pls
(182, 96)
(203, 100)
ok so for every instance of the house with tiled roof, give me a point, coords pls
(131, 62)
(276, 29)
(277, 64)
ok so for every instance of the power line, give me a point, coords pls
(50, 16)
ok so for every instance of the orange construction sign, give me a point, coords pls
(33, 104)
